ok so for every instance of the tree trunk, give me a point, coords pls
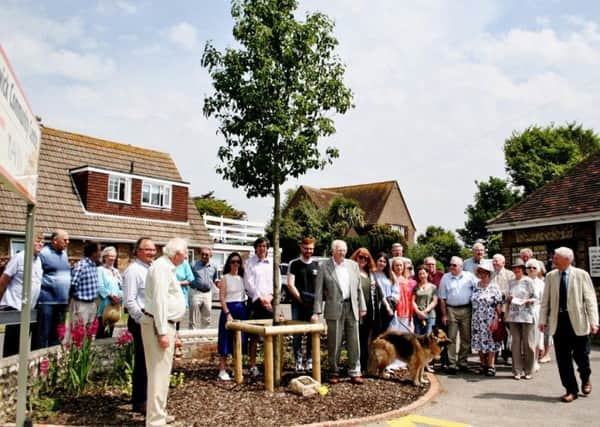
(277, 356)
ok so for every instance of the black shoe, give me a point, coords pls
(463, 368)
(452, 370)
(140, 409)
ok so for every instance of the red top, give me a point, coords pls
(404, 308)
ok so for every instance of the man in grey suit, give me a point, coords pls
(338, 280)
(570, 312)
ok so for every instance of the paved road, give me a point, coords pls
(481, 401)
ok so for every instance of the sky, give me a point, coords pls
(438, 85)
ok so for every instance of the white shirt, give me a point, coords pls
(235, 288)
(163, 296)
(14, 290)
(134, 283)
(258, 277)
(341, 271)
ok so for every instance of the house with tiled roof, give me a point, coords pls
(564, 212)
(105, 191)
(382, 202)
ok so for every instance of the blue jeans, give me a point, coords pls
(300, 312)
(49, 316)
(423, 326)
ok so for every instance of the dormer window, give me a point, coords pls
(156, 194)
(119, 189)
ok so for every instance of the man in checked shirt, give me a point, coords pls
(84, 285)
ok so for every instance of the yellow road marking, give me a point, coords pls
(414, 420)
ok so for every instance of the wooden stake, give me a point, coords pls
(269, 383)
(237, 357)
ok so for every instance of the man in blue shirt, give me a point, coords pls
(54, 295)
(84, 285)
(205, 277)
(455, 293)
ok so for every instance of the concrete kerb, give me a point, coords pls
(434, 390)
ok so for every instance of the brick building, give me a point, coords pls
(105, 191)
(564, 212)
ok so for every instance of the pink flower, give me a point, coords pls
(77, 333)
(91, 329)
(44, 366)
(60, 330)
(124, 339)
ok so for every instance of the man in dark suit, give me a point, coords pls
(570, 312)
(338, 280)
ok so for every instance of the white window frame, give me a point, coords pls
(127, 182)
(16, 246)
(161, 187)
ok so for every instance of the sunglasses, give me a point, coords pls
(363, 257)
(453, 265)
(531, 268)
(235, 261)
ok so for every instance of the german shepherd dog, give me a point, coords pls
(416, 350)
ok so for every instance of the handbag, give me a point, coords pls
(498, 330)
(111, 314)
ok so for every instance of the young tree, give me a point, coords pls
(491, 198)
(537, 155)
(274, 98)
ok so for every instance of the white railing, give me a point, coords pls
(233, 231)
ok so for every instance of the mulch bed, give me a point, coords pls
(205, 401)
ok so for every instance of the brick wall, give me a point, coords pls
(577, 236)
(95, 188)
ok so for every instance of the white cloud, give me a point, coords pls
(438, 88)
(112, 6)
(37, 57)
(183, 35)
(43, 46)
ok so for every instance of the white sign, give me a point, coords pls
(19, 135)
(594, 252)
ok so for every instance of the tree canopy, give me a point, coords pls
(437, 242)
(208, 204)
(274, 94)
(539, 154)
(491, 198)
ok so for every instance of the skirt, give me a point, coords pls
(225, 341)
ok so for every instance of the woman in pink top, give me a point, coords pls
(404, 308)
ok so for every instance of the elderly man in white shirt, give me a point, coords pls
(165, 305)
(134, 282)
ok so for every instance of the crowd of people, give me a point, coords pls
(156, 293)
(509, 314)
(513, 314)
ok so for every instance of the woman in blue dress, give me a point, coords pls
(232, 296)
(487, 304)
